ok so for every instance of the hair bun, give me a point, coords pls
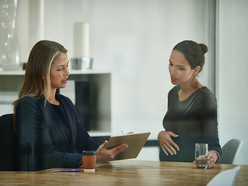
(204, 47)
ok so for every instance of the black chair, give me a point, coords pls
(8, 144)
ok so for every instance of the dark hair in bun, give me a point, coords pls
(204, 47)
(193, 52)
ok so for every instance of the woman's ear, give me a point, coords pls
(197, 69)
(42, 76)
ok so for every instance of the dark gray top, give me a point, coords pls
(194, 120)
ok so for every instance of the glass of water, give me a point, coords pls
(201, 152)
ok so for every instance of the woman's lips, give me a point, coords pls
(65, 81)
(173, 79)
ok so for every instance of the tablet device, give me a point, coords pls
(135, 143)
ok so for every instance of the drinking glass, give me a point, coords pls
(201, 151)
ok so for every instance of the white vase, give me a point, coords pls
(9, 48)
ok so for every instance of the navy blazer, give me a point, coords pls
(37, 125)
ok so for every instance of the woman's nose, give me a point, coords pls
(172, 70)
(67, 73)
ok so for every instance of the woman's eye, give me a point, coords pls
(59, 69)
(181, 68)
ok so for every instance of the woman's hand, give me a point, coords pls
(103, 154)
(166, 143)
(212, 158)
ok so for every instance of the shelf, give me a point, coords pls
(72, 72)
(100, 88)
(12, 72)
(99, 133)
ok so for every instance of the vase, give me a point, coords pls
(9, 48)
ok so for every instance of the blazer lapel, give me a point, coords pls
(51, 112)
(69, 113)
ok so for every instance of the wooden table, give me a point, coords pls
(125, 172)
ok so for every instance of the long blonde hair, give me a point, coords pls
(37, 76)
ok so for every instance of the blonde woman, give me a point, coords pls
(48, 121)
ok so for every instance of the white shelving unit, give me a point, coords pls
(22, 72)
(100, 88)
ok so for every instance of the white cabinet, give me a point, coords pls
(100, 98)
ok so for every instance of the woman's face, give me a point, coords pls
(179, 68)
(59, 71)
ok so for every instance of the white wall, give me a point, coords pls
(232, 73)
(133, 39)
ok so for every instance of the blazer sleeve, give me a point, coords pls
(83, 139)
